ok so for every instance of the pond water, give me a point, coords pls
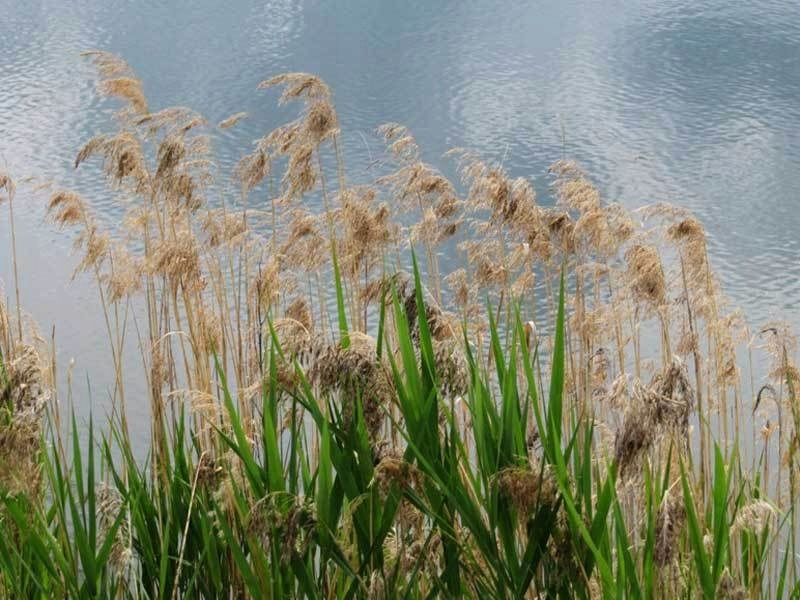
(660, 100)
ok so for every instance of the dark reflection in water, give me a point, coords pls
(661, 100)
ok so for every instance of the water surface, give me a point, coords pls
(660, 100)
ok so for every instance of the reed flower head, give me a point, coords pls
(253, 168)
(224, 228)
(757, 516)
(356, 374)
(123, 159)
(527, 489)
(300, 140)
(7, 184)
(67, 208)
(367, 230)
(119, 80)
(178, 259)
(304, 239)
(451, 369)
(672, 397)
(393, 470)
(646, 275)
(232, 121)
(573, 189)
(634, 438)
(401, 144)
(288, 523)
(23, 398)
(110, 508)
(728, 589)
(670, 521)
(780, 343)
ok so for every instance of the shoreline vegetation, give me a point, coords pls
(411, 388)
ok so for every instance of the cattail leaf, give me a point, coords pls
(720, 523)
(599, 529)
(324, 484)
(554, 406)
(341, 309)
(702, 565)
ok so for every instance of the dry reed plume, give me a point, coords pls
(244, 287)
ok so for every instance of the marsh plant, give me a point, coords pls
(409, 387)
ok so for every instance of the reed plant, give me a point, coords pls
(548, 403)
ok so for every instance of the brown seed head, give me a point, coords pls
(108, 64)
(128, 89)
(232, 120)
(672, 397)
(670, 521)
(67, 208)
(24, 394)
(634, 438)
(356, 373)
(224, 228)
(756, 516)
(400, 143)
(728, 589)
(298, 310)
(573, 189)
(527, 489)
(179, 260)
(646, 275)
(298, 86)
(321, 121)
(253, 168)
(110, 506)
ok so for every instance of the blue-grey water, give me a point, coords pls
(696, 103)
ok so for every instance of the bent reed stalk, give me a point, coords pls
(326, 423)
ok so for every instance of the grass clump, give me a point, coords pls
(547, 404)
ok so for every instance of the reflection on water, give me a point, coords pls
(661, 100)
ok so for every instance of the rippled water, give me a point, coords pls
(694, 103)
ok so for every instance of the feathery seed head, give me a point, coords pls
(298, 86)
(451, 369)
(67, 208)
(573, 189)
(393, 470)
(179, 260)
(633, 439)
(756, 516)
(400, 143)
(224, 228)
(527, 489)
(321, 121)
(231, 121)
(356, 373)
(728, 589)
(253, 168)
(110, 506)
(301, 248)
(646, 275)
(298, 310)
(128, 89)
(673, 397)
(7, 184)
(24, 394)
(108, 64)
(670, 521)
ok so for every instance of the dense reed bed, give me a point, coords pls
(404, 388)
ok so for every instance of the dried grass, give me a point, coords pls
(215, 286)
